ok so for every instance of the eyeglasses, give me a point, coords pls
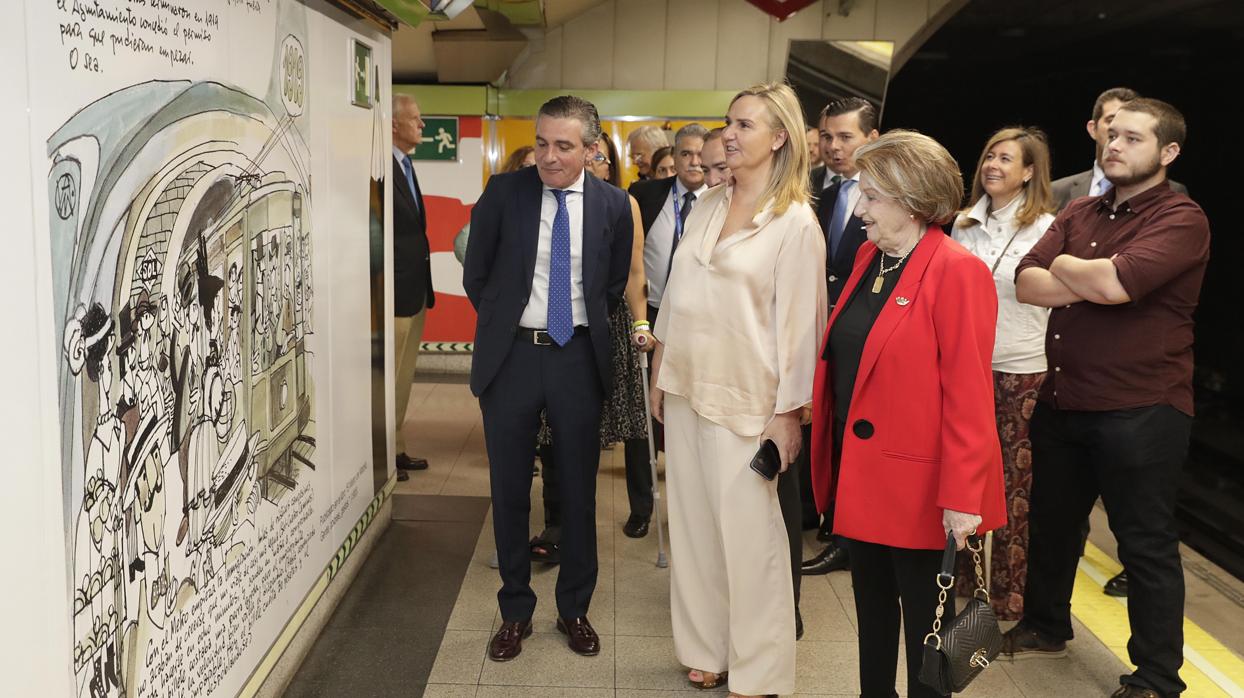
(599, 158)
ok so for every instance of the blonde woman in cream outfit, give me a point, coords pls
(737, 338)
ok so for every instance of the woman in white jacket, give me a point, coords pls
(1012, 201)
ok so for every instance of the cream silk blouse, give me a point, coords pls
(742, 320)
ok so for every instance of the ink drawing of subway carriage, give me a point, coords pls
(181, 246)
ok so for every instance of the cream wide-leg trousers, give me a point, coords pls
(730, 557)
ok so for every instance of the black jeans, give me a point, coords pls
(883, 576)
(1132, 459)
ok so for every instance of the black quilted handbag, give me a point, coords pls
(955, 654)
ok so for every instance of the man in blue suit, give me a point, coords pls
(546, 263)
(412, 267)
(845, 125)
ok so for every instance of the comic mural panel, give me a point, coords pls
(179, 222)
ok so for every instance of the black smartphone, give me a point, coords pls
(767, 462)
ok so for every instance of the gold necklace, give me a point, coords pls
(883, 271)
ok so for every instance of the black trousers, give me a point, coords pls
(889, 581)
(565, 382)
(638, 477)
(1132, 459)
(811, 518)
(788, 500)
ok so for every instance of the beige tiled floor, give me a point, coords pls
(630, 609)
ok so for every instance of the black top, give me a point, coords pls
(851, 328)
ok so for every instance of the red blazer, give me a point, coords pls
(920, 434)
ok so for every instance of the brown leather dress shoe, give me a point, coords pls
(581, 637)
(508, 642)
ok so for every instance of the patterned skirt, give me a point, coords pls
(622, 416)
(1015, 396)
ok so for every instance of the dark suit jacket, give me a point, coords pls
(651, 195)
(412, 259)
(501, 261)
(838, 266)
(1074, 186)
(816, 178)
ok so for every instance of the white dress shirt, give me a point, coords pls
(536, 314)
(1019, 342)
(660, 241)
(1100, 184)
(853, 196)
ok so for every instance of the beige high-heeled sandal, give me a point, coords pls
(705, 683)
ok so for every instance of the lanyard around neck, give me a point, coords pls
(677, 214)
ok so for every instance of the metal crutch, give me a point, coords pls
(652, 461)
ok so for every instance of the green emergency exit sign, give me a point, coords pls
(440, 139)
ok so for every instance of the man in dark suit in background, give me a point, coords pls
(546, 263)
(412, 266)
(1093, 182)
(845, 125)
(664, 205)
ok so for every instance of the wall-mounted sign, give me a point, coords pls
(440, 139)
(361, 94)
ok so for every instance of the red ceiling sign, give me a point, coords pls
(781, 9)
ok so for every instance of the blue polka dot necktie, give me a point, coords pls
(561, 315)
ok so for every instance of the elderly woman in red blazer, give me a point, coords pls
(904, 440)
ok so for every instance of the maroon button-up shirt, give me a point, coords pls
(1136, 354)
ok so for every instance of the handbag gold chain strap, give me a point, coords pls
(981, 592)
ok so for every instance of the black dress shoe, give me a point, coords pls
(833, 557)
(1024, 642)
(405, 462)
(508, 642)
(1128, 691)
(402, 476)
(580, 636)
(1117, 586)
(798, 624)
(635, 527)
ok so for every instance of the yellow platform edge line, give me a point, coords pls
(1210, 668)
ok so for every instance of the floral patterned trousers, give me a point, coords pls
(1015, 397)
